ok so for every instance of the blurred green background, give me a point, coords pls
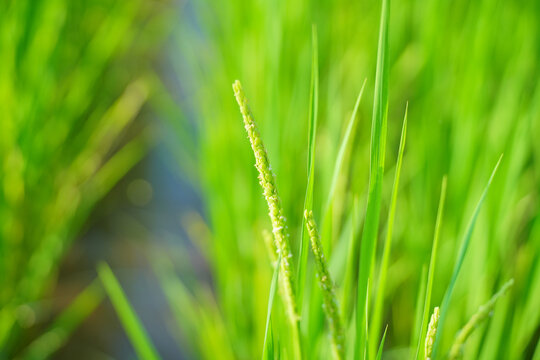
(120, 140)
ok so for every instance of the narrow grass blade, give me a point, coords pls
(456, 351)
(185, 309)
(459, 262)
(134, 329)
(381, 345)
(379, 299)
(431, 273)
(270, 348)
(377, 153)
(418, 310)
(68, 321)
(273, 287)
(351, 270)
(345, 146)
(366, 312)
(194, 313)
(308, 201)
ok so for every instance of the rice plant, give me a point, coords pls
(69, 89)
(418, 213)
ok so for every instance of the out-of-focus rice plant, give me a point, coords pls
(73, 77)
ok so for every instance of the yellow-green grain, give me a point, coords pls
(275, 211)
(432, 333)
(331, 307)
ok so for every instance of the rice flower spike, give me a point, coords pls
(275, 211)
(329, 297)
(456, 351)
(270, 246)
(432, 332)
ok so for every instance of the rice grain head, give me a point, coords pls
(432, 332)
(331, 306)
(275, 211)
(456, 351)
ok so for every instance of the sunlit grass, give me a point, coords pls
(472, 96)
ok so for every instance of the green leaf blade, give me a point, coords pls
(134, 329)
(308, 201)
(379, 299)
(377, 152)
(268, 347)
(381, 345)
(459, 262)
(431, 272)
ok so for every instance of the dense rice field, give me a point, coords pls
(393, 209)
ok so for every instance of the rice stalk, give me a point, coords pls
(432, 265)
(484, 311)
(331, 306)
(275, 211)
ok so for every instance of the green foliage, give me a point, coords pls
(268, 349)
(373, 208)
(456, 351)
(55, 337)
(377, 311)
(473, 95)
(381, 345)
(459, 261)
(275, 211)
(431, 273)
(134, 329)
(72, 80)
(308, 202)
(330, 305)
